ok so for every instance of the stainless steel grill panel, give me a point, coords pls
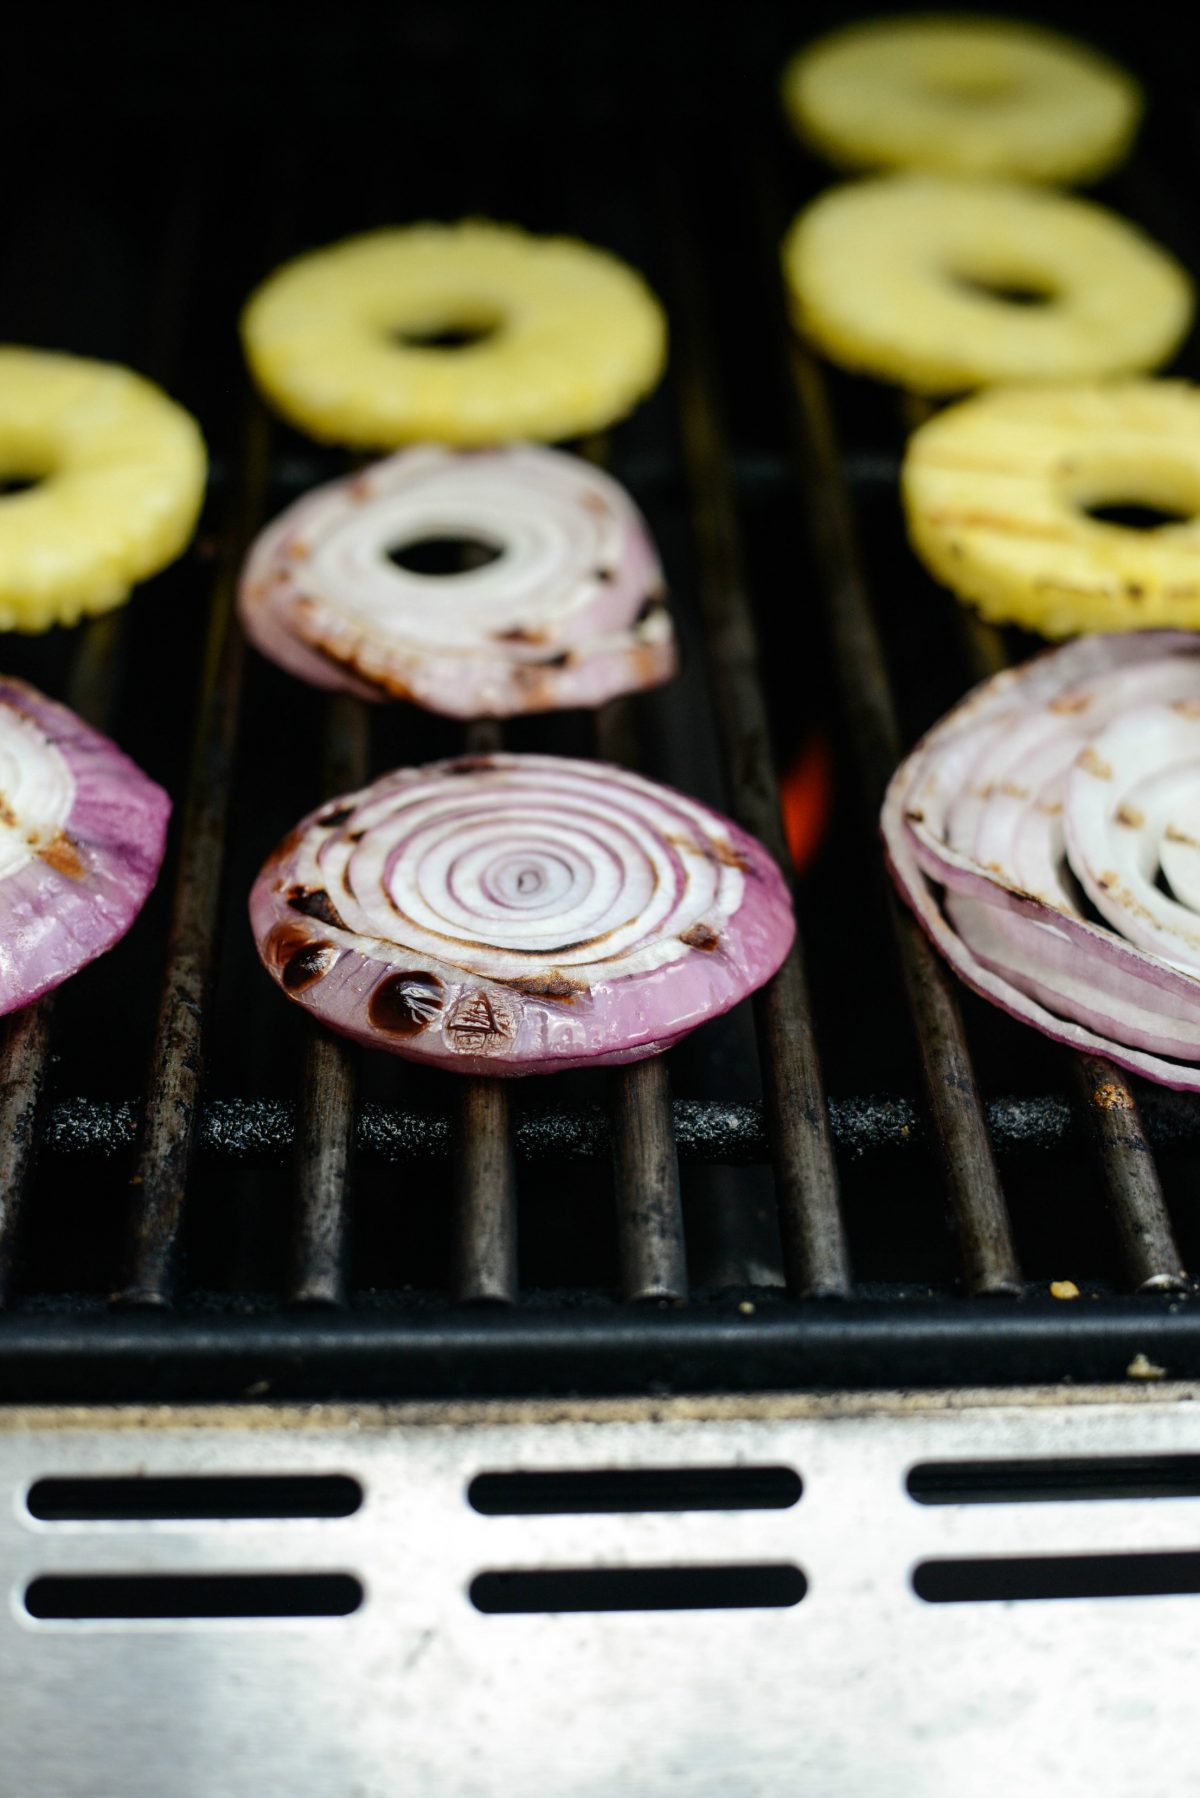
(417, 1691)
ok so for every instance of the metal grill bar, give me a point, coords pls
(24, 1049)
(649, 1213)
(25, 1043)
(176, 1067)
(650, 1239)
(485, 1243)
(324, 1162)
(485, 1248)
(96, 670)
(816, 1256)
(1105, 1101)
(325, 1148)
(605, 1349)
(616, 733)
(988, 1253)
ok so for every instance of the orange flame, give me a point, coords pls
(806, 796)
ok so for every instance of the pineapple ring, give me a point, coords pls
(973, 96)
(916, 279)
(117, 472)
(997, 490)
(562, 338)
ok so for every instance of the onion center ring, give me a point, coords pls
(519, 913)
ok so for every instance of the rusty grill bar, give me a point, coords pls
(479, 1322)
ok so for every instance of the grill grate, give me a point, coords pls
(273, 1211)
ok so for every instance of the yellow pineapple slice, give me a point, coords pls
(561, 338)
(942, 284)
(970, 95)
(116, 476)
(997, 491)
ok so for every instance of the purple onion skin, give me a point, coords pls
(918, 868)
(70, 903)
(430, 1011)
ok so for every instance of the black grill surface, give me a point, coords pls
(865, 1178)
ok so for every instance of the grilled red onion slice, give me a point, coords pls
(516, 914)
(81, 841)
(568, 612)
(1069, 782)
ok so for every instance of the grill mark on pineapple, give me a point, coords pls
(1003, 525)
(968, 464)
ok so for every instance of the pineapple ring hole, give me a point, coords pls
(22, 480)
(1133, 497)
(1021, 292)
(449, 333)
(444, 556)
(1133, 515)
(966, 86)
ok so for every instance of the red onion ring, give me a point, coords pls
(1072, 780)
(569, 613)
(82, 832)
(516, 914)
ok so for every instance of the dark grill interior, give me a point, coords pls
(198, 1194)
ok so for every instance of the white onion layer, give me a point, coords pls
(564, 613)
(37, 789)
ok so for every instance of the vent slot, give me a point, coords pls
(618, 1489)
(769, 1586)
(178, 1498)
(98, 1596)
(998, 1580)
(1045, 1481)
